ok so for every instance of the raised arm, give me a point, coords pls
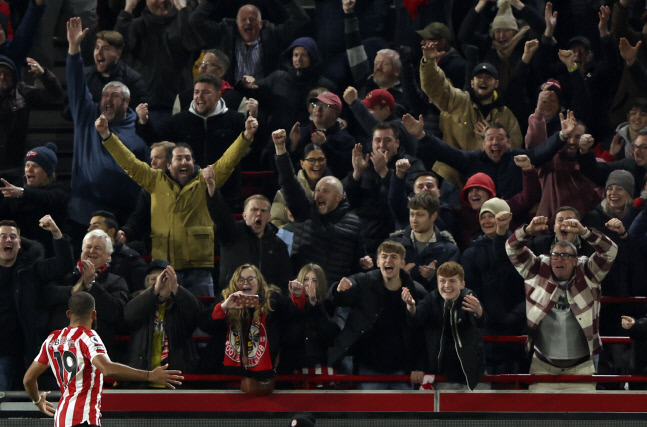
(355, 52)
(235, 153)
(295, 196)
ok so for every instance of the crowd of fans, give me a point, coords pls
(461, 170)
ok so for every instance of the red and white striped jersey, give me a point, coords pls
(69, 352)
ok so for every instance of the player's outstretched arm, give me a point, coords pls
(160, 375)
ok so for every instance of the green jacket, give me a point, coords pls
(181, 228)
(459, 115)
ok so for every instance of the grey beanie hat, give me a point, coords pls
(622, 178)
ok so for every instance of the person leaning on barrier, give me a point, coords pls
(562, 301)
(246, 335)
(308, 330)
(161, 320)
(376, 324)
(452, 307)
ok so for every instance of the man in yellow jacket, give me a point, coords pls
(464, 115)
(181, 228)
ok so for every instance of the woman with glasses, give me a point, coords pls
(245, 327)
(314, 166)
(308, 330)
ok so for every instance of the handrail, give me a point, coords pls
(486, 338)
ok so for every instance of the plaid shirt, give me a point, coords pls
(582, 290)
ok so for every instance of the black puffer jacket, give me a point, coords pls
(332, 240)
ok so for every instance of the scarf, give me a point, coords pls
(99, 270)
(504, 52)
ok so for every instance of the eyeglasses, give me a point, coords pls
(312, 161)
(322, 105)
(249, 280)
(563, 255)
(639, 147)
(208, 64)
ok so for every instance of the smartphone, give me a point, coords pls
(248, 301)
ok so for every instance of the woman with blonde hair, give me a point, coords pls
(308, 330)
(247, 320)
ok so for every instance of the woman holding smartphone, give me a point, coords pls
(248, 321)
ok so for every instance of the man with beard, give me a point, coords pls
(98, 183)
(465, 114)
(109, 67)
(181, 229)
(209, 127)
(216, 62)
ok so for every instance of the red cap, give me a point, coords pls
(379, 97)
(329, 98)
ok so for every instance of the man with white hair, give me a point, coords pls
(91, 274)
(98, 183)
(254, 45)
(386, 65)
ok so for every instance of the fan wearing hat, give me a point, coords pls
(503, 44)
(617, 203)
(498, 285)
(451, 62)
(40, 195)
(378, 106)
(480, 188)
(465, 113)
(324, 131)
(161, 320)
(280, 94)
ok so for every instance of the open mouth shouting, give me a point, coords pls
(7, 249)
